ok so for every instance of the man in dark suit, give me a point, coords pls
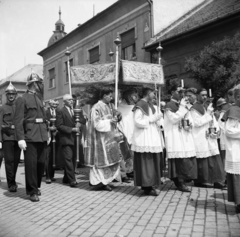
(32, 134)
(49, 169)
(65, 124)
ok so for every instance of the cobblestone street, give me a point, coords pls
(64, 211)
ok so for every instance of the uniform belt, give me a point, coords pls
(37, 120)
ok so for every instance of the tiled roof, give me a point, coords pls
(22, 74)
(207, 12)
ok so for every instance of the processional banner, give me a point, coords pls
(142, 73)
(90, 73)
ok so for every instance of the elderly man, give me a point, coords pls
(67, 128)
(103, 154)
(8, 137)
(32, 134)
(232, 145)
(51, 113)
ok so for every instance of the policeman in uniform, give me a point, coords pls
(32, 134)
(8, 138)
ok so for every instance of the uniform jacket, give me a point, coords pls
(7, 131)
(29, 108)
(64, 123)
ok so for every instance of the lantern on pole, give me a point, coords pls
(111, 53)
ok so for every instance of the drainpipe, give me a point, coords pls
(151, 17)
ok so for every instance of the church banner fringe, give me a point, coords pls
(131, 72)
(142, 73)
(90, 73)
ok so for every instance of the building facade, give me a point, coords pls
(91, 42)
(19, 79)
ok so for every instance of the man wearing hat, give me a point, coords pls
(8, 138)
(32, 133)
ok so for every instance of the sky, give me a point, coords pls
(27, 25)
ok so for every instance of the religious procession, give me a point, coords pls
(128, 134)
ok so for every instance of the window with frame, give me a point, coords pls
(52, 77)
(94, 55)
(128, 45)
(66, 69)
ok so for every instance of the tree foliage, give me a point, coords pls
(217, 66)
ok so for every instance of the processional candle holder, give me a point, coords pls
(53, 124)
(77, 111)
(184, 123)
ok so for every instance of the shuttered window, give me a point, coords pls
(94, 55)
(128, 38)
(51, 73)
(128, 45)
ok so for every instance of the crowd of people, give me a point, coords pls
(139, 140)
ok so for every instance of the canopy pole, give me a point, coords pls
(68, 53)
(117, 42)
(159, 49)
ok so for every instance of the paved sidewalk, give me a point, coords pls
(64, 211)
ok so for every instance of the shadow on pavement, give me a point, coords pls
(214, 206)
(21, 193)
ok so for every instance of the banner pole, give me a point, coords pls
(68, 53)
(117, 42)
(159, 49)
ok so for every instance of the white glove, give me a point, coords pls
(22, 145)
(0, 145)
(49, 138)
(210, 109)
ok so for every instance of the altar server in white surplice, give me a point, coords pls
(180, 147)
(147, 144)
(232, 145)
(210, 166)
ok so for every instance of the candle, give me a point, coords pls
(210, 93)
(155, 86)
(182, 83)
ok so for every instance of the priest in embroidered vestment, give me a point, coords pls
(210, 166)
(182, 164)
(102, 152)
(232, 145)
(147, 144)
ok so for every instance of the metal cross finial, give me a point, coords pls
(60, 13)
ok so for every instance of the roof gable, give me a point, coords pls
(207, 12)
